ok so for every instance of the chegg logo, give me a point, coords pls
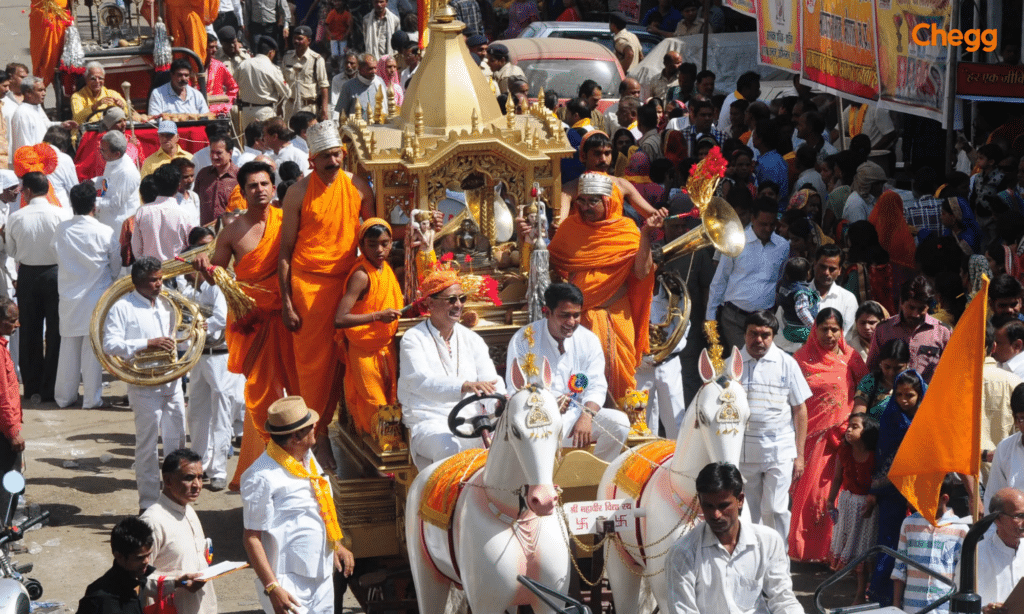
(974, 38)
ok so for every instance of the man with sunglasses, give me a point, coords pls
(441, 362)
(1000, 557)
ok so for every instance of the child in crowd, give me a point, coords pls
(798, 300)
(874, 390)
(856, 526)
(338, 21)
(937, 548)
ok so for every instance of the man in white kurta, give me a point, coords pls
(1007, 470)
(441, 361)
(30, 122)
(773, 450)
(1000, 559)
(572, 351)
(725, 565)
(88, 261)
(179, 543)
(118, 187)
(664, 380)
(141, 320)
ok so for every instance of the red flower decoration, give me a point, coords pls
(447, 257)
(467, 259)
(713, 166)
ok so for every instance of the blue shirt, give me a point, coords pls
(772, 167)
(748, 280)
(667, 22)
(164, 100)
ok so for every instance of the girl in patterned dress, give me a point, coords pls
(856, 523)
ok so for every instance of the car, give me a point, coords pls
(593, 31)
(561, 65)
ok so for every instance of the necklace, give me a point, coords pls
(458, 352)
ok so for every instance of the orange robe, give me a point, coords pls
(325, 253)
(236, 202)
(598, 258)
(46, 38)
(185, 24)
(263, 354)
(371, 367)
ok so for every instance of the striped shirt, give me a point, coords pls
(937, 548)
(924, 213)
(774, 384)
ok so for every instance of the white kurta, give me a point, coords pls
(119, 193)
(999, 568)
(28, 126)
(1007, 469)
(290, 153)
(64, 177)
(89, 259)
(179, 547)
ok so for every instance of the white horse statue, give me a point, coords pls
(501, 522)
(712, 431)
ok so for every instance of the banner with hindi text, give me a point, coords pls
(778, 33)
(839, 47)
(912, 77)
(741, 6)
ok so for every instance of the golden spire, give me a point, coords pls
(510, 111)
(392, 104)
(378, 107)
(419, 119)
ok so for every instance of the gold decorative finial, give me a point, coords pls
(445, 14)
(510, 111)
(357, 112)
(407, 150)
(378, 107)
(372, 147)
(392, 102)
(540, 99)
(714, 346)
(419, 119)
(475, 119)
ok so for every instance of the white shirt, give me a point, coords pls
(724, 123)
(211, 300)
(64, 177)
(10, 105)
(89, 260)
(300, 144)
(232, 6)
(119, 193)
(703, 578)
(999, 568)
(284, 508)
(583, 354)
(432, 377)
(748, 280)
(407, 74)
(1015, 365)
(165, 100)
(1007, 467)
(290, 153)
(844, 301)
(30, 231)
(161, 229)
(179, 547)
(857, 207)
(678, 123)
(774, 385)
(28, 126)
(201, 158)
(337, 83)
(189, 201)
(131, 322)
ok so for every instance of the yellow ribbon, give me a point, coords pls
(321, 488)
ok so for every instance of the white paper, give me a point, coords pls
(221, 568)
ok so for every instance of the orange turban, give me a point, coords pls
(438, 279)
(39, 158)
(373, 221)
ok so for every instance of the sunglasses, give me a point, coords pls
(462, 298)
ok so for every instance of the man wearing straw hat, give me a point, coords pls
(291, 533)
(318, 251)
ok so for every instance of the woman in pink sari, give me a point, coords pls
(832, 369)
(387, 69)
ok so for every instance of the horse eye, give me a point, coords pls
(516, 433)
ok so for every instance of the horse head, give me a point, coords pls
(531, 426)
(721, 408)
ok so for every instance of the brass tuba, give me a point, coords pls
(152, 367)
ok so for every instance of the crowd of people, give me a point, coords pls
(852, 276)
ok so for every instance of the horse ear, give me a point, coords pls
(518, 381)
(547, 374)
(707, 372)
(736, 364)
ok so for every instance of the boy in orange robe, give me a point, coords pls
(260, 347)
(609, 260)
(367, 320)
(318, 251)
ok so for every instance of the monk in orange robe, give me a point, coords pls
(596, 154)
(47, 21)
(367, 320)
(187, 21)
(318, 251)
(609, 260)
(259, 346)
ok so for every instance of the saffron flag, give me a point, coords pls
(945, 435)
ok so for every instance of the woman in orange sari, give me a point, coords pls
(895, 236)
(832, 369)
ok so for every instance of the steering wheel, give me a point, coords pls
(479, 423)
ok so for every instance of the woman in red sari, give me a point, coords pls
(832, 369)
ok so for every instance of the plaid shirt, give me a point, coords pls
(924, 214)
(468, 12)
(690, 135)
(926, 342)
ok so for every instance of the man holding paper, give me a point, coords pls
(179, 544)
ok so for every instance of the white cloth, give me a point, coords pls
(842, 300)
(118, 193)
(159, 410)
(366, 94)
(724, 122)
(161, 229)
(28, 126)
(857, 207)
(10, 105)
(290, 153)
(164, 100)
(300, 144)
(377, 33)
(766, 485)
(1015, 365)
(877, 123)
(665, 401)
(1007, 469)
(64, 177)
(431, 383)
(812, 178)
(748, 280)
(704, 578)
(89, 259)
(189, 201)
(75, 361)
(201, 158)
(30, 232)
(337, 83)
(284, 509)
(999, 568)
(179, 547)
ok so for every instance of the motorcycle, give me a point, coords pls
(16, 589)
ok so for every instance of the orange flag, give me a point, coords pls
(945, 435)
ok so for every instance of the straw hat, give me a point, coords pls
(289, 415)
(322, 136)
